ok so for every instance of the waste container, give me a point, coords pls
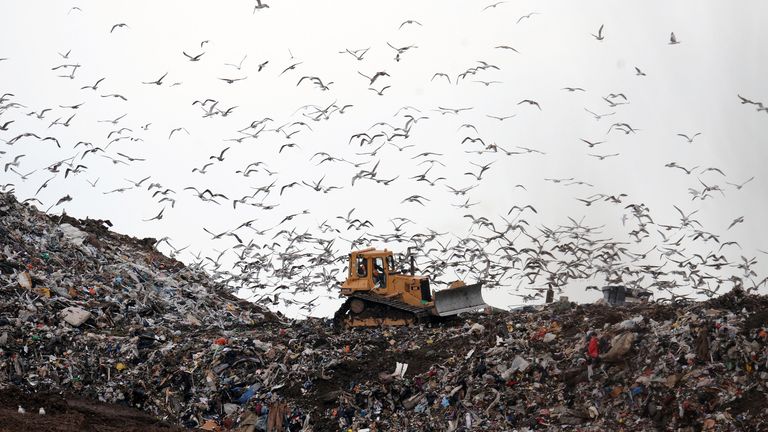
(615, 294)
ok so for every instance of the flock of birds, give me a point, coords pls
(295, 262)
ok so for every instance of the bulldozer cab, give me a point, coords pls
(370, 269)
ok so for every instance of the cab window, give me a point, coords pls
(390, 265)
(379, 276)
(362, 267)
(378, 265)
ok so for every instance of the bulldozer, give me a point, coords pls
(380, 295)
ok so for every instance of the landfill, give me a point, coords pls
(87, 314)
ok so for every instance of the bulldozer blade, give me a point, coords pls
(457, 300)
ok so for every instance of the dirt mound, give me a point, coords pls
(71, 413)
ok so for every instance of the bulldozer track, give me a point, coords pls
(379, 312)
(419, 312)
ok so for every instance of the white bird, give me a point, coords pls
(22, 410)
(41, 411)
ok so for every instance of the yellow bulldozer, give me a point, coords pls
(379, 295)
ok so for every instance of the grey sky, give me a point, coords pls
(689, 87)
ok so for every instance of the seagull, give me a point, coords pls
(675, 165)
(62, 200)
(739, 186)
(114, 121)
(120, 25)
(178, 129)
(116, 96)
(379, 92)
(239, 65)
(193, 58)
(400, 50)
(738, 220)
(203, 169)
(487, 83)
(158, 217)
(259, 5)
(289, 145)
(44, 185)
(24, 177)
(747, 101)
(415, 199)
(689, 139)
(15, 162)
(672, 39)
(573, 89)
(507, 47)
(374, 77)
(409, 22)
(40, 115)
(599, 36)
(500, 118)
(131, 159)
(598, 116)
(358, 53)
(220, 157)
(441, 74)
(93, 87)
(526, 16)
(159, 81)
(232, 80)
(492, 5)
(603, 157)
(638, 72)
(590, 143)
(138, 183)
(291, 67)
(530, 102)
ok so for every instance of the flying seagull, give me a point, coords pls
(120, 25)
(159, 81)
(599, 36)
(409, 22)
(689, 139)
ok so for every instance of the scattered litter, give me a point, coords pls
(124, 324)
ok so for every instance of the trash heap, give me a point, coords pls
(90, 312)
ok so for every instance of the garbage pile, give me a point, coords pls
(87, 311)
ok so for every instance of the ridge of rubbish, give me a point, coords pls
(88, 312)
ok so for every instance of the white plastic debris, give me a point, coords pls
(25, 280)
(400, 370)
(519, 364)
(72, 234)
(75, 316)
(630, 324)
(477, 328)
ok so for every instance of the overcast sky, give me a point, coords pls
(688, 88)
